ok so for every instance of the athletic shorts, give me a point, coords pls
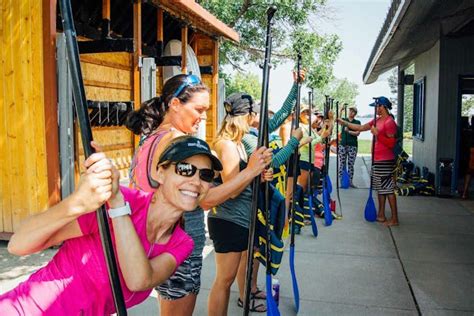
(186, 280)
(290, 167)
(383, 179)
(227, 236)
(304, 165)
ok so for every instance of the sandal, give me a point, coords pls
(259, 308)
(259, 294)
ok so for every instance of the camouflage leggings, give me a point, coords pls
(347, 154)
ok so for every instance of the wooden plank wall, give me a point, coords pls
(108, 77)
(23, 169)
(206, 57)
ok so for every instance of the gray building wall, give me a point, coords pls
(456, 59)
(427, 65)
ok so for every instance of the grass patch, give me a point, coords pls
(365, 146)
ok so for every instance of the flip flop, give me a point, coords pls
(260, 308)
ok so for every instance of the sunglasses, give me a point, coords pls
(189, 81)
(188, 170)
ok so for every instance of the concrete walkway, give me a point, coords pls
(426, 265)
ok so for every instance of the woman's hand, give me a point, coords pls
(267, 175)
(301, 76)
(374, 131)
(260, 159)
(297, 133)
(306, 140)
(331, 115)
(95, 185)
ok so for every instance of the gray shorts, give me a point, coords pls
(186, 280)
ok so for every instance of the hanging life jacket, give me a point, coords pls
(277, 223)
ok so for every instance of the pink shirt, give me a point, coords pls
(75, 281)
(385, 126)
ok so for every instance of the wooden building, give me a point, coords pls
(117, 38)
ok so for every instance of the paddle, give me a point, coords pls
(337, 159)
(86, 135)
(345, 178)
(272, 308)
(314, 227)
(370, 213)
(296, 121)
(326, 193)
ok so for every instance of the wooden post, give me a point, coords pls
(137, 38)
(159, 38)
(215, 87)
(106, 9)
(50, 100)
(184, 44)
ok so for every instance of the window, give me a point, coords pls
(419, 108)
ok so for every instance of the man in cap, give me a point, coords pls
(384, 128)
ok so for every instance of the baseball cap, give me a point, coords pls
(383, 101)
(353, 108)
(184, 147)
(239, 103)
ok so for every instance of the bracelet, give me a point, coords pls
(120, 211)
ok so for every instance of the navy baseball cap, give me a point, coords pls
(383, 101)
(187, 146)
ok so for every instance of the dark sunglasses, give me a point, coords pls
(188, 170)
(189, 81)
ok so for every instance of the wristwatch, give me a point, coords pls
(120, 211)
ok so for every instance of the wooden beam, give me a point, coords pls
(50, 100)
(215, 87)
(159, 25)
(184, 44)
(137, 37)
(106, 9)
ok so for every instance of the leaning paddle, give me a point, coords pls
(370, 213)
(86, 135)
(314, 227)
(326, 180)
(272, 308)
(337, 160)
(294, 281)
(345, 177)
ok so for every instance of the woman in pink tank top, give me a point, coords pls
(147, 237)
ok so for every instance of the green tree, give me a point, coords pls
(408, 103)
(244, 82)
(341, 90)
(467, 104)
(292, 31)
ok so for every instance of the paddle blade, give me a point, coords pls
(345, 179)
(296, 292)
(327, 208)
(329, 184)
(314, 227)
(370, 212)
(272, 308)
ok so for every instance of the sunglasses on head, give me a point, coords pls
(189, 81)
(188, 170)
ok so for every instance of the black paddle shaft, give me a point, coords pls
(296, 124)
(310, 106)
(86, 135)
(262, 141)
(373, 148)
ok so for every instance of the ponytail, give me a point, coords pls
(146, 119)
(151, 114)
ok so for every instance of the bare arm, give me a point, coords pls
(59, 223)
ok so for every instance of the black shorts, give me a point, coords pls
(304, 165)
(227, 236)
(290, 167)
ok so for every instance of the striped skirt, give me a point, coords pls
(382, 176)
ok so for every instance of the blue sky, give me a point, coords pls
(357, 22)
